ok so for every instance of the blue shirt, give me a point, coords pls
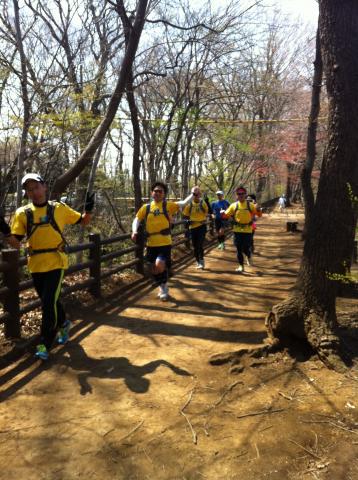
(219, 205)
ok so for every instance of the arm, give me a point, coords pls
(5, 229)
(12, 241)
(258, 211)
(139, 218)
(225, 214)
(135, 227)
(182, 203)
(86, 218)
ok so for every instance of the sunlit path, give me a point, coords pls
(109, 404)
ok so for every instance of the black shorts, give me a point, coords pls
(220, 223)
(164, 253)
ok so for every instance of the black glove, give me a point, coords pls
(4, 227)
(89, 202)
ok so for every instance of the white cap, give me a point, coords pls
(219, 192)
(31, 176)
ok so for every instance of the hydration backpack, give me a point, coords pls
(237, 208)
(31, 227)
(201, 206)
(165, 231)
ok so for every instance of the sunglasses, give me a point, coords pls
(241, 194)
(158, 191)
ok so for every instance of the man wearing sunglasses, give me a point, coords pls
(241, 213)
(157, 216)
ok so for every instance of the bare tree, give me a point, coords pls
(87, 154)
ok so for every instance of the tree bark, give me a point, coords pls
(306, 173)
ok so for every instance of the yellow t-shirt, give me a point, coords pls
(157, 221)
(45, 236)
(197, 213)
(242, 213)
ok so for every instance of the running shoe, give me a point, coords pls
(64, 333)
(163, 293)
(41, 352)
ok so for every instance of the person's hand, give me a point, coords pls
(4, 226)
(89, 202)
(134, 237)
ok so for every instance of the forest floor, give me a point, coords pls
(133, 396)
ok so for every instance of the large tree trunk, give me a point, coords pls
(310, 313)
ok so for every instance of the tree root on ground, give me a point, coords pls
(298, 331)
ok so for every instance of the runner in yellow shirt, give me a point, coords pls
(157, 216)
(196, 212)
(241, 212)
(42, 222)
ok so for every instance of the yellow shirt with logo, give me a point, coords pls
(45, 236)
(157, 221)
(197, 213)
(242, 213)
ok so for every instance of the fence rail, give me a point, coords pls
(11, 265)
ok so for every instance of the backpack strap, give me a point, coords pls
(29, 221)
(147, 210)
(51, 205)
(165, 211)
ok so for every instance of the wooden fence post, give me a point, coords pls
(95, 269)
(140, 252)
(11, 279)
(355, 251)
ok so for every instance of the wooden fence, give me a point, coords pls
(11, 265)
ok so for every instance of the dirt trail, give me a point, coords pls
(132, 396)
